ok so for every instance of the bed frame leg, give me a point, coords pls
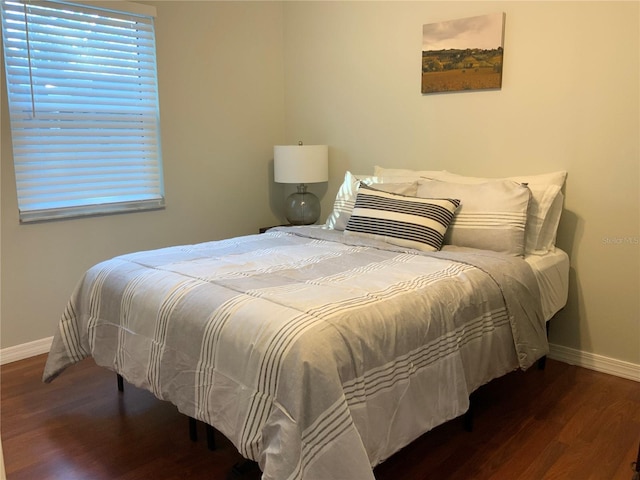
(211, 439)
(243, 469)
(467, 418)
(193, 425)
(193, 429)
(542, 362)
(210, 431)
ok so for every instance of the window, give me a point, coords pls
(83, 104)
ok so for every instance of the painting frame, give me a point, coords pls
(466, 54)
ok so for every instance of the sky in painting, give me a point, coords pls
(474, 32)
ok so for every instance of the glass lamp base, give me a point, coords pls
(302, 207)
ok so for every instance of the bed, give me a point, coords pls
(320, 351)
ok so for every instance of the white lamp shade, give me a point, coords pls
(301, 163)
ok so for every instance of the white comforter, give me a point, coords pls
(316, 357)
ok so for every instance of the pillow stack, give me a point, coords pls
(543, 212)
(425, 209)
(545, 208)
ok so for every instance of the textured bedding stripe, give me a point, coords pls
(360, 389)
(503, 220)
(270, 368)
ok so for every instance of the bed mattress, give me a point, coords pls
(552, 274)
(551, 271)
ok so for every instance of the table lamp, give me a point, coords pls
(301, 164)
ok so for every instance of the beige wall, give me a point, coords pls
(237, 77)
(220, 75)
(569, 101)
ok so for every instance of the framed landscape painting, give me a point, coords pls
(463, 54)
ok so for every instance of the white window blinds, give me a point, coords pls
(83, 101)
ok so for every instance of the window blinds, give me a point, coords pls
(83, 103)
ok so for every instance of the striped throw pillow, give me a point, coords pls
(412, 222)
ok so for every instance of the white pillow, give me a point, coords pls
(346, 196)
(545, 208)
(547, 237)
(403, 172)
(418, 223)
(492, 215)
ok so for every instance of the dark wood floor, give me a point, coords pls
(561, 423)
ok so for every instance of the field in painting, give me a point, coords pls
(455, 70)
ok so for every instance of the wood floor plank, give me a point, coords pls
(552, 452)
(561, 423)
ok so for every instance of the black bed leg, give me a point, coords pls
(211, 439)
(542, 362)
(243, 469)
(468, 415)
(120, 383)
(193, 429)
(193, 433)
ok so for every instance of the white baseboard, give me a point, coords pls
(26, 350)
(592, 361)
